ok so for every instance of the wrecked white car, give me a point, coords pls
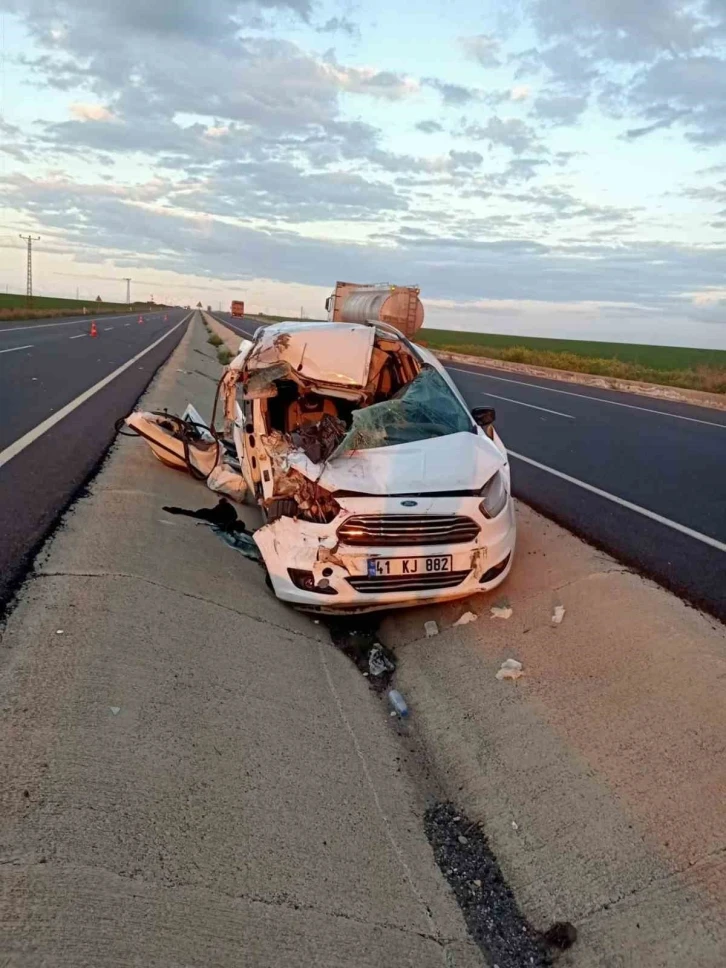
(379, 488)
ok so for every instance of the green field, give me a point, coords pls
(696, 369)
(13, 306)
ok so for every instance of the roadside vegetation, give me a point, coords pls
(693, 369)
(13, 306)
(214, 340)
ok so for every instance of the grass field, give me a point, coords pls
(13, 306)
(695, 369)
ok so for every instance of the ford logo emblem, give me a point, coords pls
(409, 504)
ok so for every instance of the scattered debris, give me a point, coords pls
(511, 669)
(398, 704)
(241, 541)
(115, 710)
(515, 825)
(59, 631)
(501, 611)
(431, 629)
(490, 910)
(378, 662)
(558, 614)
(224, 480)
(466, 618)
(358, 639)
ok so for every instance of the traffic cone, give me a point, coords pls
(94, 329)
(141, 319)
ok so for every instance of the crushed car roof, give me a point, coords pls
(329, 353)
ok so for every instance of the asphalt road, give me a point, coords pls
(61, 392)
(644, 480)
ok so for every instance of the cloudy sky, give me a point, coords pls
(554, 167)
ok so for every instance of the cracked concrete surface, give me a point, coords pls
(607, 754)
(190, 774)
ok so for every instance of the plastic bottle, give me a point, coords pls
(398, 703)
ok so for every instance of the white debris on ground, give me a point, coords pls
(511, 669)
(431, 629)
(558, 614)
(465, 619)
(501, 611)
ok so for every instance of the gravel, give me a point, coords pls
(486, 901)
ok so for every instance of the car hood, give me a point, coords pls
(456, 462)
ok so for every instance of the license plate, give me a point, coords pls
(432, 565)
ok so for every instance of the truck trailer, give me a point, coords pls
(398, 305)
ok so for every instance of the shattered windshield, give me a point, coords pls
(422, 409)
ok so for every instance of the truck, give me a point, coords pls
(400, 306)
(237, 308)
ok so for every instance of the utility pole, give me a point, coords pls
(29, 289)
(128, 291)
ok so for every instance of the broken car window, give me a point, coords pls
(422, 409)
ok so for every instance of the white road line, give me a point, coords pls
(80, 336)
(108, 329)
(531, 405)
(14, 349)
(706, 539)
(586, 396)
(69, 322)
(22, 442)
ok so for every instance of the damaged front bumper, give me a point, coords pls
(361, 561)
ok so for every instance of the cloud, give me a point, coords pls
(454, 94)
(429, 127)
(632, 134)
(340, 25)
(130, 229)
(520, 92)
(625, 31)
(482, 48)
(662, 62)
(510, 133)
(91, 112)
(560, 109)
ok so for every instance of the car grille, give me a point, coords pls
(381, 584)
(391, 530)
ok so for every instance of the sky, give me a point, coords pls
(543, 167)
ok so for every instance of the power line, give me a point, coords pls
(29, 288)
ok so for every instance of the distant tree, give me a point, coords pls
(98, 299)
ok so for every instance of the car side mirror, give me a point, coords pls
(484, 416)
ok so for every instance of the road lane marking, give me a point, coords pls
(22, 442)
(705, 538)
(80, 336)
(108, 329)
(586, 396)
(15, 349)
(68, 322)
(531, 405)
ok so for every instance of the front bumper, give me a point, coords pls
(342, 570)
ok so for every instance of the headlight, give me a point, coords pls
(494, 494)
